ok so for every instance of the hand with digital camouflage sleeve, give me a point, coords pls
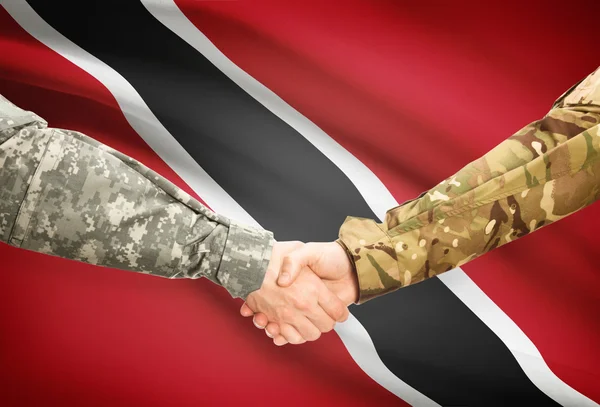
(302, 310)
(327, 261)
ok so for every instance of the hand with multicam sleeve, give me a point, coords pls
(543, 173)
(65, 194)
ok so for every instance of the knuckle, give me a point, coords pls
(287, 261)
(302, 304)
(251, 301)
(288, 264)
(300, 301)
(338, 312)
(285, 313)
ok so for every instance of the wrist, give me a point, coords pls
(351, 293)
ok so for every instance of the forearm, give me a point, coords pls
(541, 174)
(67, 195)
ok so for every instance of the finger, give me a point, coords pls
(280, 340)
(306, 329)
(291, 334)
(246, 311)
(345, 315)
(260, 320)
(293, 264)
(332, 305)
(272, 329)
(320, 319)
(290, 269)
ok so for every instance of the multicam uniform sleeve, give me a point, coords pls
(65, 194)
(543, 173)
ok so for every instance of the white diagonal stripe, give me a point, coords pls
(524, 351)
(359, 344)
(353, 334)
(369, 186)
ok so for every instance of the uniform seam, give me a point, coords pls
(494, 198)
(218, 266)
(26, 195)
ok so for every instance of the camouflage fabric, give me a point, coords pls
(541, 174)
(65, 194)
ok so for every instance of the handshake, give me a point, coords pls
(307, 289)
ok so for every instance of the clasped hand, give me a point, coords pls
(306, 290)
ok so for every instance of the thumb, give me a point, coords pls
(246, 311)
(293, 264)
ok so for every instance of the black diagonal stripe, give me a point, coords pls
(432, 334)
(424, 334)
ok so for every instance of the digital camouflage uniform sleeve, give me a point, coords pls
(65, 194)
(543, 173)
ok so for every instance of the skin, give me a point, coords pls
(328, 263)
(301, 311)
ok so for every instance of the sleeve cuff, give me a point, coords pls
(373, 255)
(245, 259)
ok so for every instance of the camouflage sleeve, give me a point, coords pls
(541, 174)
(65, 194)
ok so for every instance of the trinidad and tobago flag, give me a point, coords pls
(291, 116)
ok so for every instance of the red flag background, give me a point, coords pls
(415, 91)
